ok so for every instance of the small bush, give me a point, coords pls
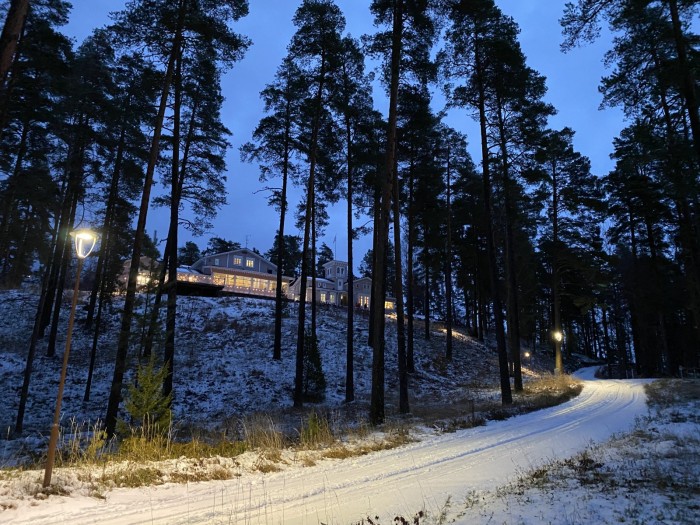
(314, 378)
(315, 432)
(145, 402)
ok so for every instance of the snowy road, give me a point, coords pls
(401, 481)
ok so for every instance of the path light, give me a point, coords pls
(558, 337)
(85, 241)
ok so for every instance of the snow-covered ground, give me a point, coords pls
(469, 476)
(514, 471)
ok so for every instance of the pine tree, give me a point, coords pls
(148, 407)
(314, 48)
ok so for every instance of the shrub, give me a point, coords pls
(314, 379)
(145, 403)
(315, 432)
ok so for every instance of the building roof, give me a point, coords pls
(335, 261)
(240, 251)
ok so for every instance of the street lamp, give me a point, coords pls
(84, 243)
(558, 337)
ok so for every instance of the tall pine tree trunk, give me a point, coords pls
(130, 299)
(60, 282)
(171, 256)
(281, 255)
(448, 265)
(308, 257)
(410, 299)
(426, 294)
(11, 33)
(349, 353)
(513, 306)
(556, 301)
(376, 411)
(506, 395)
(398, 293)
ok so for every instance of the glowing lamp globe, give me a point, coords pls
(85, 241)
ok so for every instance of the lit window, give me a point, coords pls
(323, 297)
(250, 263)
(237, 261)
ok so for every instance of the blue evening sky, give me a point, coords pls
(572, 81)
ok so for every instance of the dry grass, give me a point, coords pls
(261, 432)
(547, 391)
(667, 392)
(543, 392)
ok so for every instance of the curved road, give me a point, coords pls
(401, 481)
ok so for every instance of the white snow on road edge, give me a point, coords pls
(418, 476)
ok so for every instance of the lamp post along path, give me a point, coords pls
(558, 336)
(84, 243)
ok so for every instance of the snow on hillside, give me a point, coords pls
(223, 367)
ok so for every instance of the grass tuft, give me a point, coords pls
(315, 432)
(261, 432)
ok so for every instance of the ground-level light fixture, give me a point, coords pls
(85, 241)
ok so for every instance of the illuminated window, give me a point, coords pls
(388, 305)
(237, 261)
(323, 297)
(250, 263)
